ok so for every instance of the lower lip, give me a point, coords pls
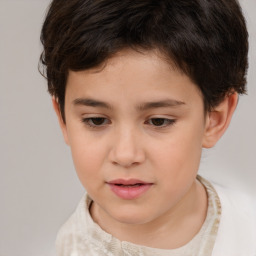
(129, 193)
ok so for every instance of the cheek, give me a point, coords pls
(180, 154)
(88, 156)
(179, 162)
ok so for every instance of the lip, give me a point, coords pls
(129, 189)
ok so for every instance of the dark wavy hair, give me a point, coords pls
(205, 39)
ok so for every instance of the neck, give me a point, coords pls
(171, 230)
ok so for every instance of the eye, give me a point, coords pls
(95, 122)
(161, 122)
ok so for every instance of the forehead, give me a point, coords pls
(149, 59)
(132, 76)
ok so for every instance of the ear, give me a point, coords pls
(60, 119)
(218, 120)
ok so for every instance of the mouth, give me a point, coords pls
(128, 183)
(129, 189)
(131, 186)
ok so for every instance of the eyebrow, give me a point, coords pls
(91, 103)
(159, 104)
(141, 107)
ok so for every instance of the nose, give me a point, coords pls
(126, 149)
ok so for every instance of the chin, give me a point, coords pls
(132, 217)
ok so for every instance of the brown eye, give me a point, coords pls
(95, 122)
(158, 121)
(98, 120)
(161, 122)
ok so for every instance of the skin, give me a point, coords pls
(129, 143)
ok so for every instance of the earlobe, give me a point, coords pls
(218, 120)
(62, 124)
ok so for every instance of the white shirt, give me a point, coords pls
(229, 230)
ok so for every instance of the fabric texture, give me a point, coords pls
(229, 230)
(237, 230)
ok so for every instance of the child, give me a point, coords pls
(139, 88)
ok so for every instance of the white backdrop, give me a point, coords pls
(38, 185)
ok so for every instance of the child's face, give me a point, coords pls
(149, 128)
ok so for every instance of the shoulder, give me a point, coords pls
(71, 238)
(80, 235)
(240, 204)
(237, 231)
(68, 231)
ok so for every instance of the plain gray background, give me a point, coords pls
(38, 185)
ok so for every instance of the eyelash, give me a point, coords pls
(88, 122)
